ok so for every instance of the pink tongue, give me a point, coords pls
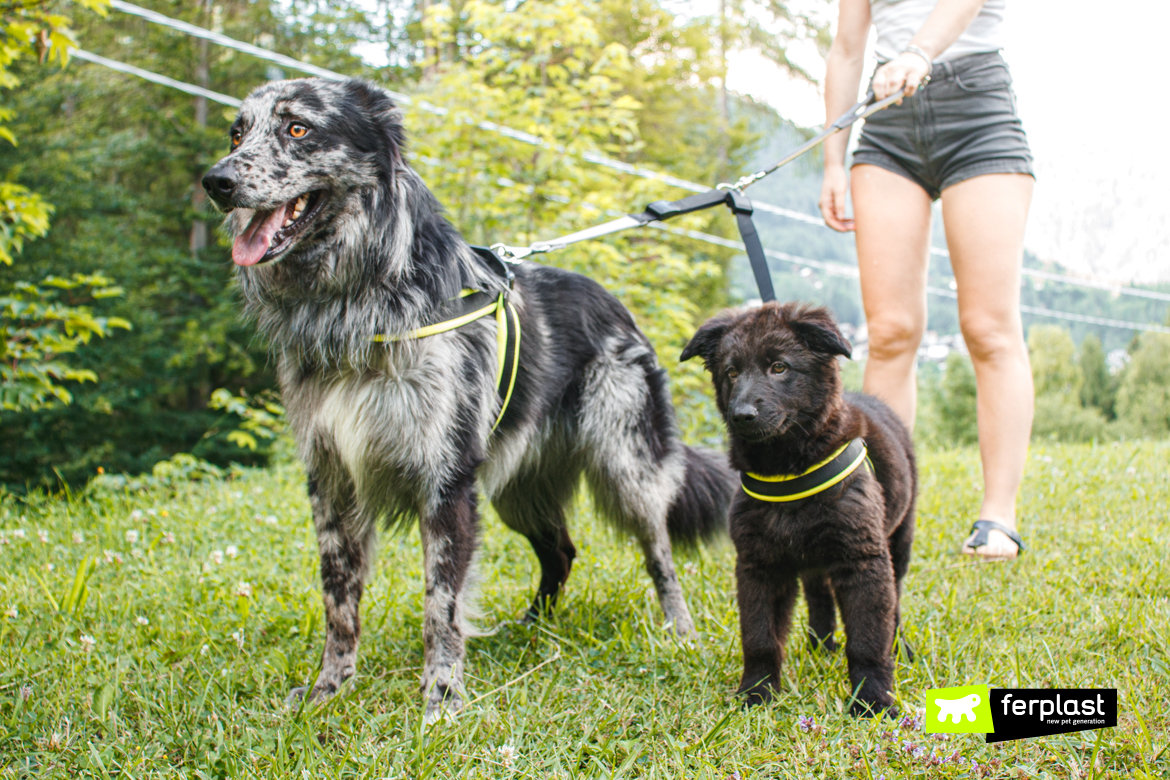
(251, 245)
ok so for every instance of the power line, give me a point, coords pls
(833, 269)
(592, 157)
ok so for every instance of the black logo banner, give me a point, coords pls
(1019, 713)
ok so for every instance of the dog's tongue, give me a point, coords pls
(251, 245)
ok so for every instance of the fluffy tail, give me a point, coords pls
(699, 511)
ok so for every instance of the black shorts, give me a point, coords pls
(961, 125)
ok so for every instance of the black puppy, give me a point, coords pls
(813, 505)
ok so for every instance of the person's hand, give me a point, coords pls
(904, 72)
(832, 203)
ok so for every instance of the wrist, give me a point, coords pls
(919, 53)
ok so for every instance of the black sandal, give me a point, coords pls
(979, 538)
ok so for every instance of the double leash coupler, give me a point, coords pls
(730, 195)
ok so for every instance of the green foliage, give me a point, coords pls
(37, 328)
(1055, 370)
(953, 398)
(1098, 388)
(1061, 418)
(22, 214)
(157, 629)
(1143, 399)
(261, 416)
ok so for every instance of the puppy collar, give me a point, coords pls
(472, 305)
(818, 478)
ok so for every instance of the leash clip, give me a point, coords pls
(513, 254)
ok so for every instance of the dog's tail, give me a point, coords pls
(699, 511)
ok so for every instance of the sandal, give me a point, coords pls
(979, 537)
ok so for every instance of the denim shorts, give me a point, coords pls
(961, 125)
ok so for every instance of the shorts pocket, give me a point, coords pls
(993, 77)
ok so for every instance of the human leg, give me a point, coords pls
(892, 218)
(985, 218)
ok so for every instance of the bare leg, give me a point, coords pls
(892, 217)
(985, 218)
(345, 555)
(449, 535)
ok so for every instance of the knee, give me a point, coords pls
(991, 339)
(894, 337)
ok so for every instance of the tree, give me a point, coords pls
(1098, 389)
(1055, 370)
(1143, 399)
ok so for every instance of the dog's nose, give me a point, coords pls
(744, 413)
(219, 185)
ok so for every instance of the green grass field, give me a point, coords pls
(201, 610)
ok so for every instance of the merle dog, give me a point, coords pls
(778, 387)
(338, 241)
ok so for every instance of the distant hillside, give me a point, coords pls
(797, 187)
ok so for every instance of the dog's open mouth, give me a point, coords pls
(270, 233)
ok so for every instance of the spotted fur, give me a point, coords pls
(398, 432)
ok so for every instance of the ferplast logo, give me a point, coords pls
(962, 710)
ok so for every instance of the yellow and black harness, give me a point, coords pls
(816, 479)
(472, 305)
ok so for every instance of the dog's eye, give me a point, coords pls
(779, 368)
(732, 372)
(237, 136)
(297, 130)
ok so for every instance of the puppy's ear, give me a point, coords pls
(706, 340)
(820, 334)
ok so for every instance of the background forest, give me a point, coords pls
(121, 320)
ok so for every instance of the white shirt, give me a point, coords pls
(897, 21)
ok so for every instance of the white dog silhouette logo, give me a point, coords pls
(958, 709)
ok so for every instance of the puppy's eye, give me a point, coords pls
(732, 372)
(297, 130)
(237, 137)
(778, 368)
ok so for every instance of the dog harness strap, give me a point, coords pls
(816, 479)
(471, 307)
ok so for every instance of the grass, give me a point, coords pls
(155, 633)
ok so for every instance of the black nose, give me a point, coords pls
(219, 185)
(744, 413)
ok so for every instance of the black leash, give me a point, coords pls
(730, 195)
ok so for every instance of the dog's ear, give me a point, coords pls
(706, 340)
(820, 334)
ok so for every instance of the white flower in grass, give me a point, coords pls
(137, 553)
(152, 513)
(19, 534)
(142, 621)
(43, 536)
(271, 520)
(507, 754)
(204, 650)
(112, 557)
(88, 643)
(216, 556)
(244, 590)
(239, 637)
(4, 539)
(231, 551)
(169, 538)
(132, 536)
(78, 537)
(211, 510)
(136, 515)
(49, 567)
(12, 612)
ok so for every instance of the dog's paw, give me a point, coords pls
(440, 708)
(756, 695)
(320, 694)
(874, 709)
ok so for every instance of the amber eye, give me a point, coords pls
(297, 130)
(732, 373)
(237, 136)
(779, 368)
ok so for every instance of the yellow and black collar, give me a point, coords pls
(471, 305)
(818, 478)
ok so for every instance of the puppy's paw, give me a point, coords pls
(874, 709)
(755, 695)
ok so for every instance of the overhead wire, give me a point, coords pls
(833, 269)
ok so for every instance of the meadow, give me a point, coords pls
(153, 630)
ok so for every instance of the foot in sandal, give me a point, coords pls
(993, 541)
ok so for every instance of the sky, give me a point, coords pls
(1091, 94)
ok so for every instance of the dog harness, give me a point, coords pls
(816, 479)
(472, 305)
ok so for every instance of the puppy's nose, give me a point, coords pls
(744, 413)
(220, 183)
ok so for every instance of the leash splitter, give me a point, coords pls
(730, 195)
